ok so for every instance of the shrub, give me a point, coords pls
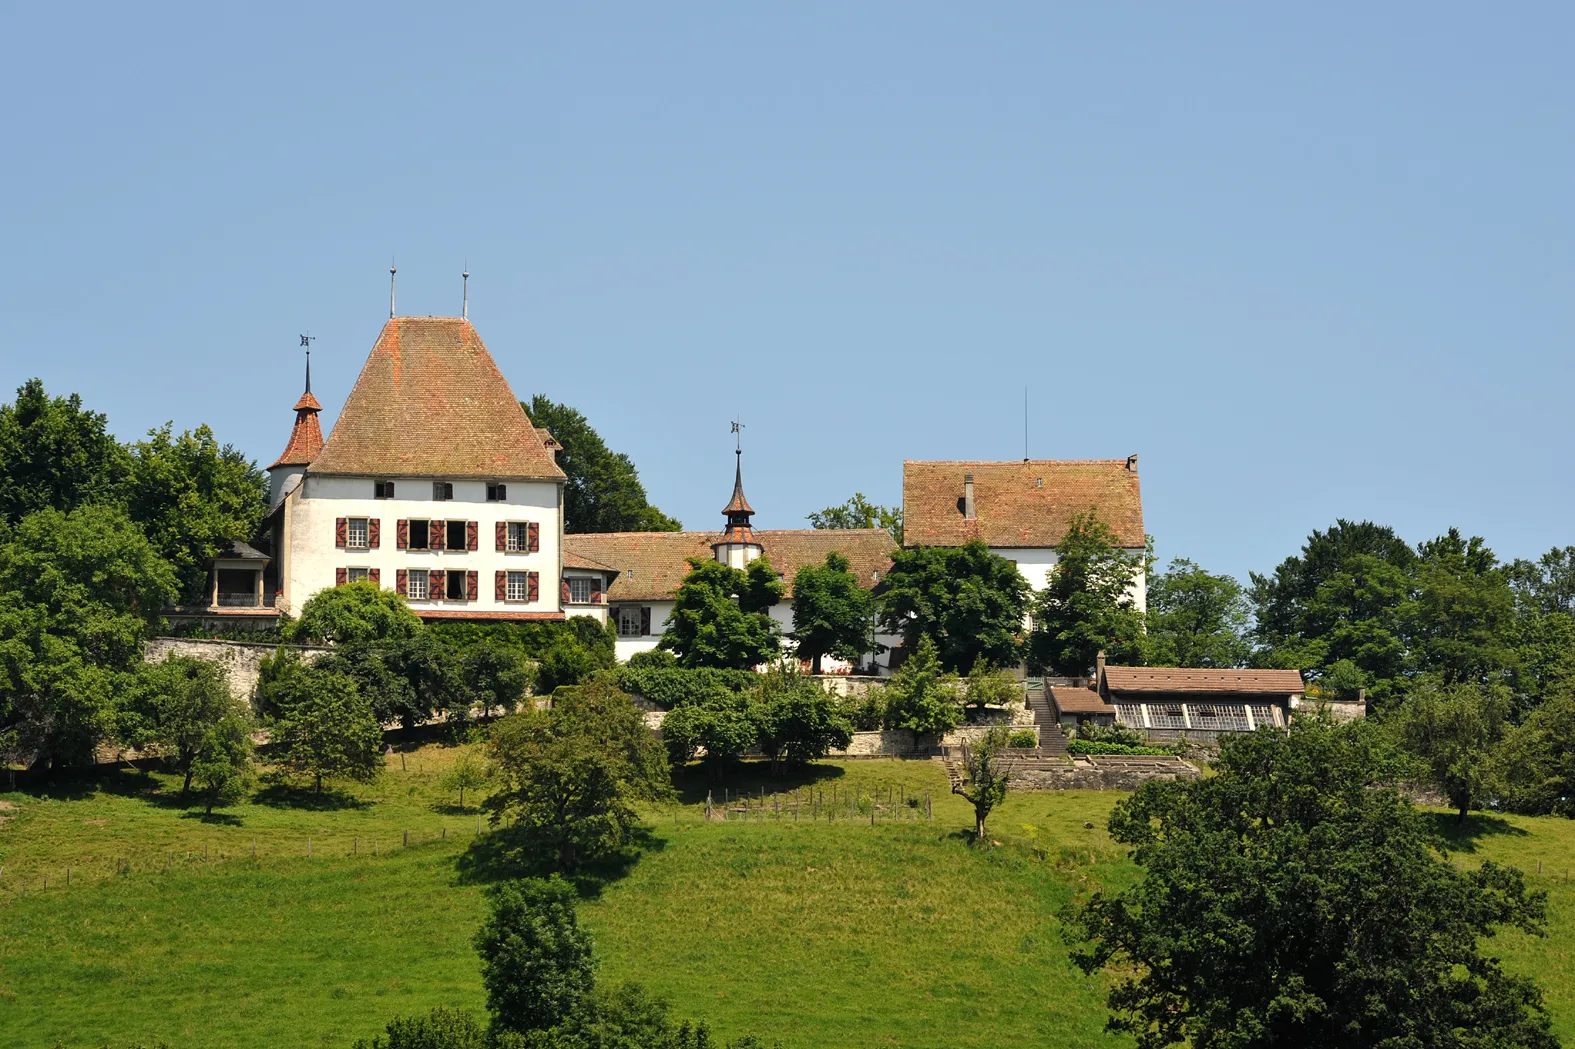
(1023, 738)
(655, 658)
(673, 686)
(1110, 734)
(868, 711)
(536, 961)
(1085, 746)
(440, 1029)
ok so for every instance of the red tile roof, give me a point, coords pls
(1021, 504)
(525, 617)
(306, 437)
(652, 564)
(431, 402)
(571, 559)
(1079, 701)
(1189, 679)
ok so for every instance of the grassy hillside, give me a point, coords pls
(815, 933)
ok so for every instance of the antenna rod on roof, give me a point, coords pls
(391, 271)
(1025, 424)
(464, 309)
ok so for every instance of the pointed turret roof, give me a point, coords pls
(431, 402)
(306, 437)
(739, 505)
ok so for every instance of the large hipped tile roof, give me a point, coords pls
(1018, 504)
(431, 402)
(651, 564)
(1192, 679)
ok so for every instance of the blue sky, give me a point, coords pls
(1308, 261)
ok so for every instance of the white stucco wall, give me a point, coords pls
(311, 555)
(1034, 565)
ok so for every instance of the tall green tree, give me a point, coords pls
(1087, 606)
(1547, 583)
(859, 512)
(356, 613)
(1460, 618)
(832, 614)
(536, 962)
(223, 766)
(568, 778)
(1537, 759)
(720, 616)
(796, 720)
(603, 492)
(718, 725)
(174, 708)
(55, 455)
(1196, 618)
(79, 592)
(922, 696)
(495, 677)
(1453, 730)
(191, 497)
(1339, 601)
(1295, 899)
(969, 602)
(323, 727)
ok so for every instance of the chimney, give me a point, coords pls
(968, 514)
(1132, 463)
(1099, 669)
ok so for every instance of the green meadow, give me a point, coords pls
(812, 925)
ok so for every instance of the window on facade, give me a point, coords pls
(1262, 715)
(456, 586)
(1129, 714)
(628, 622)
(519, 536)
(1166, 715)
(416, 584)
(496, 493)
(456, 535)
(356, 575)
(442, 490)
(382, 489)
(519, 586)
(420, 535)
(356, 533)
(580, 591)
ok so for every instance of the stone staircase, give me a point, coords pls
(1052, 742)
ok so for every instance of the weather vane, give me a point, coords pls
(738, 428)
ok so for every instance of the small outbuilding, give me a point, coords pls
(1169, 702)
(1076, 706)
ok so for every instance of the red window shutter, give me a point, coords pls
(596, 597)
(645, 622)
(341, 574)
(533, 537)
(500, 585)
(563, 591)
(402, 534)
(500, 533)
(374, 533)
(401, 581)
(532, 586)
(374, 576)
(472, 585)
(472, 535)
(437, 584)
(436, 534)
(339, 532)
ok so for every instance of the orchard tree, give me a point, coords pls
(859, 512)
(796, 720)
(466, 773)
(832, 614)
(987, 771)
(720, 616)
(568, 777)
(192, 497)
(1453, 731)
(536, 961)
(222, 768)
(1196, 618)
(497, 678)
(323, 727)
(967, 601)
(718, 721)
(603, 492)
(922, 697)
(55, 455)
(1295, 898)
(1087, 606)
(79, 592)
(174, 708)
(990, 686)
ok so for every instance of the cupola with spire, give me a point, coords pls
(306, 441)
(737, 547)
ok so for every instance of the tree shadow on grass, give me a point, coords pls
(694, 781)
(449, 809)
(289, 796)
(215, 819)
(1463, 837)
(77, 784)
(501, 856)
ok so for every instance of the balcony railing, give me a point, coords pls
(244, 601)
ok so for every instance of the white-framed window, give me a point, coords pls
(356, 575)
(416, 584)
(579, 591)
(442, 490)
(519, 586)
(357, 534)
(518, 537)
(629, 621)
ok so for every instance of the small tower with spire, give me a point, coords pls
(306, 439)
(737, 547)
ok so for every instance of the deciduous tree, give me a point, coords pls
(1453, 730)
(466, 773)
(832, 614)
(603, 492)
(536, 962)
(859, 512)
(796, 720)
(1196, 618)
(55, 455)
(1087, 606)
(922, 697)
(987, 770)
(174, 707)
(322, 726)
(1296, 899)
(222, 768)
(969, 602)
(719, 616)
(356, 613)
(1538, 760)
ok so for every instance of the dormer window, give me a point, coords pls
(382, 489)
(442, 491)
(497, 493)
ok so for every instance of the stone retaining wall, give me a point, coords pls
(1091, 777)
(240, 659)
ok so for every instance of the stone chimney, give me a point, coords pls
(1132, 463)
(968, 514)
(1099, 670)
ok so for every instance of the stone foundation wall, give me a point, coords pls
(1090, 777)
(894, 743)
(240, 659)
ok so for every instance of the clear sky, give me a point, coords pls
(1308, 261)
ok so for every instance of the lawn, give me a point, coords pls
(816, 932)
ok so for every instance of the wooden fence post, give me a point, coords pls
(407, 837)
(355, 845)
(308, 848)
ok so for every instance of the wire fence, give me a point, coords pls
(812, 804)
